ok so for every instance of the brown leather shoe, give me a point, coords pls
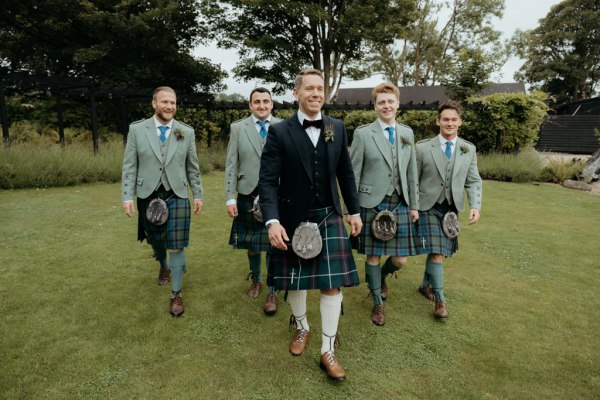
(164, 276)
(254, 290)
(384, 290)
(176, 306)
(300, 341)
(440, 310)
(332, 366)
(377, 315)
(427, 293)
(270, 307)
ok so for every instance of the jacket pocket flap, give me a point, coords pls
(365, 188)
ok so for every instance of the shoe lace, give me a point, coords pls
(177, 300)
(301, 334)
(378, 308)
(271, 298)
(330, 357)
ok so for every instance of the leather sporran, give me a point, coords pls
(307, 242)
(256, 210)
(157, 212)
(450, 224)
(384, 225)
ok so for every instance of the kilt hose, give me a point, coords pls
(432, 239)
(403, 244)
(247, 232)
(334, 267)
(173, 234)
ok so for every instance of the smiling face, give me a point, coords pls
(449, 121)
(386, 105)
(310, 94)
(261, 105)
(165, 106)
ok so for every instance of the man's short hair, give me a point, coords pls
(301, 74)
(259, 90)
(162, 89)
(385, 87)
(450, 105)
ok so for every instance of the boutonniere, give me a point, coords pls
(405, 141)
(329, 133)
(464, 149)
(179, 134)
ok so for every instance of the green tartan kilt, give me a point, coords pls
(406, 239)
(173, 234)
(333, 268)
(247, 232)
(432, 239)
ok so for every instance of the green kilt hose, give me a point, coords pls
(403, 244)
(432, 239)
(173, 234)
(333, 268)
(246, 231)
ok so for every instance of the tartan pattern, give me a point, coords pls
(403, 244)
(333, 268)
(432, 239)
(247, 232)
(173, 234)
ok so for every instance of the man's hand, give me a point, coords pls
(128, 208)
(414, 214)
(232, 210)
(197, 206)
(355, 225)
(278, 236)
(473, 216)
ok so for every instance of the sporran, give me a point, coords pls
(307, 242)
(450, 224)
(384, 225)
(255, 210)
(157, 212)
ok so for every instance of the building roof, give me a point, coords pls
(422, 94)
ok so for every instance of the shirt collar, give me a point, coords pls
(169, 124)
(302, 117)
(384, 126)
(266, 121)
(443, 141)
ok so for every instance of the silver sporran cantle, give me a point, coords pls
(450, 224)
(157, 212)
(384, 225)
(307, 242)
(256, 210)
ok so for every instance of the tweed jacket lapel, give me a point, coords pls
(173, 142)
(436, 153)
(382, 144)
(297, 134)
(250, 131)
(460, 159)
(331, 146)
(153, 137)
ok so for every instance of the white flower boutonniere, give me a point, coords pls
(329, 133)
(179, 134)
(464, 149)
(405, 141)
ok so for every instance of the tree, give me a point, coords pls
(137, 43)
(468, 75)
(275, 38)
(563, 53)
(430, 47)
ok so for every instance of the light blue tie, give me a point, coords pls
(390, 130)
(263, 129)
(448, 150)
(163, 133)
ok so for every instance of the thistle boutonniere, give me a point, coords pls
(329, 133)
(405, 141)
(179, 134)
(464, 149)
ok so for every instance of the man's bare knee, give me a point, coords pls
(174, 250)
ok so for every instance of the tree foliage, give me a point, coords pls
(136, 43)
(563, 53)
(444, 33)
(275, 39)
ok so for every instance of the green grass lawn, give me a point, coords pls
(83, 317)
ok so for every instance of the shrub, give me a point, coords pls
(559, 169)
(523, 167)
(421, 122)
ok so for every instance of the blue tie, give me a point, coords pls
(263, 129)
(390, 130)
(448, 150)
(163, 133)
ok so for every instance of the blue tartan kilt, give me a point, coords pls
(406, 239)
(432, 239)
(334, 267)
(247, 232)
(173, 234)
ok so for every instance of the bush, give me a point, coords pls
(523, 167)
(421, 122)
(559, 169)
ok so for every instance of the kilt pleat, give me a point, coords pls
(334, 267)
(432, 239)
(246, 231)
(173, 234)
(403, 244)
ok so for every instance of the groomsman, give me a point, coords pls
(247, 139)
(304, 160)
(447, 168)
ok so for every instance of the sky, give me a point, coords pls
(518, 14)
